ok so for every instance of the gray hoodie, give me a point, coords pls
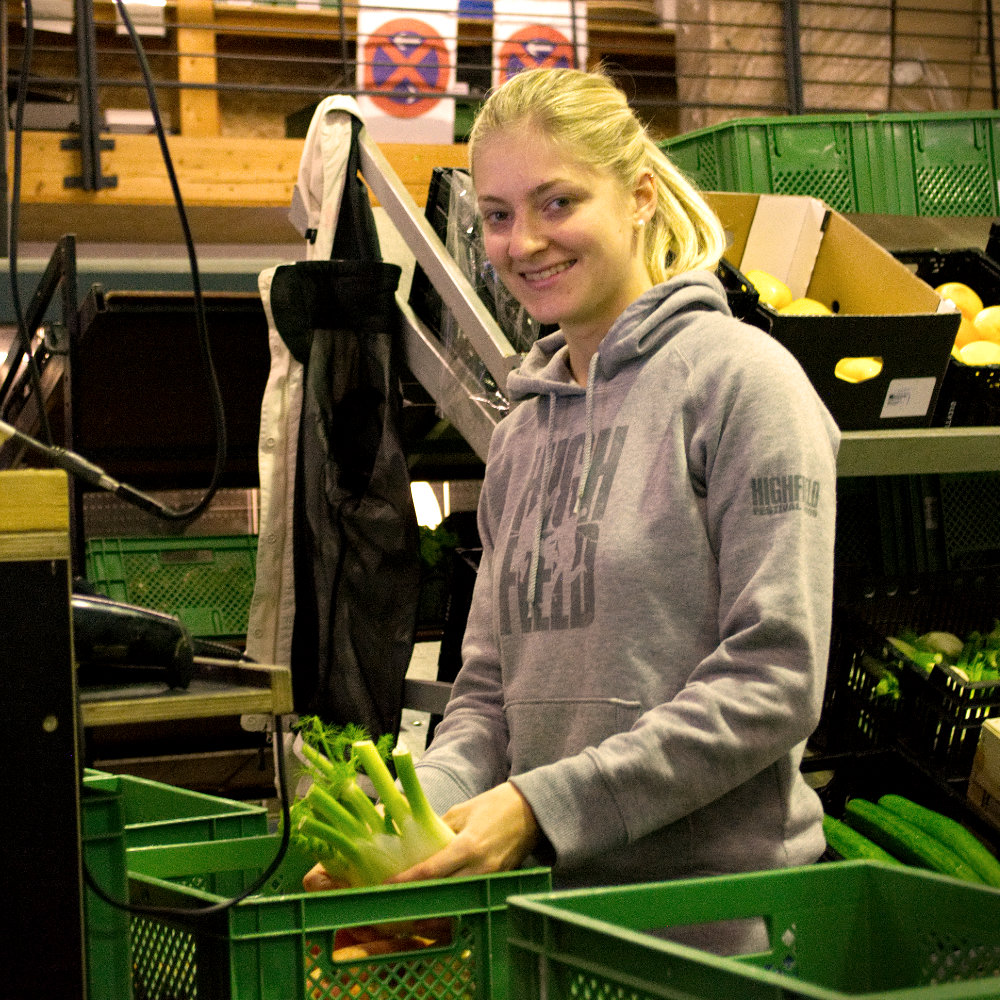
(646, 650)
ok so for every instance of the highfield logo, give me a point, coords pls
(778, 494)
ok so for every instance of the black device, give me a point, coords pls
(121, 644)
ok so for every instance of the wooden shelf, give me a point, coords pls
(219, 688)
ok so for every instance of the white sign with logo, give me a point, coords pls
(406, 59)
(531, 34)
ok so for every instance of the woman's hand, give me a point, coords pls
(318, 879)
(495, 831)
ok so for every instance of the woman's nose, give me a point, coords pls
(526, 237)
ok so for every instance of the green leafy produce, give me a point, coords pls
(341, 827)
(950, 832)
(980, 656)
(946, 643)
(904, 840)
(977, 657)
(852, 845)
(908, 646)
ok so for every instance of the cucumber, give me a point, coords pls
(851, 845)
(950, 832)
(904, 840)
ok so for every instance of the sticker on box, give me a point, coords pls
(908, 397)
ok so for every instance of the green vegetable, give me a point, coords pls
(925, 659)
(852, 845)
(946, 643)
(905, 841)
(340, 826)
(951, 833)
(980, 656)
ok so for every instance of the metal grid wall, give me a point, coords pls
(686, 64)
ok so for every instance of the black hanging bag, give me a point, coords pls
(356, 541)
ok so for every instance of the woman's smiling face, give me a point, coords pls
(564, 238)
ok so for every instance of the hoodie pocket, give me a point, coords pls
(546, 730)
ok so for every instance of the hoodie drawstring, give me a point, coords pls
(588, 441)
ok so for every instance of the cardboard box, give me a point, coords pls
(880, 307)
(984, 782)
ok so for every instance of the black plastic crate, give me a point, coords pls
(876, 699)
(970, 394)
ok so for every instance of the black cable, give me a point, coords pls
(66, 459)
(218, 409)
(206, 911)
(24, 337)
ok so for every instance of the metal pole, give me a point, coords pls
(5, 209)
(89, 143)
(992, 43)
(793, 56)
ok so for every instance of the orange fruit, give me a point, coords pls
(987, 324)
(773, 291)
(966, 300)
(805, 307)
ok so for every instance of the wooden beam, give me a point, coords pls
(222, 171)
(196, 63)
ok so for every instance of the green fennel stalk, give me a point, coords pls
(339, 825)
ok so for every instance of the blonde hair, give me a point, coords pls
(587, 115)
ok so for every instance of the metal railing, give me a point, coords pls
(253, 68)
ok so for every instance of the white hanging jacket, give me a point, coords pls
(314, 210)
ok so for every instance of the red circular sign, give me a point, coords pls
(408, 60)
(534, 47)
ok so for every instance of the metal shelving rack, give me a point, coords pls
(922, 450)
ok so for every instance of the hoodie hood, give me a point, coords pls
(649, 322)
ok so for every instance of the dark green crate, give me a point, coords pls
(154, 813)
(279, 945)
(938, 163)
(207, 582)
(823, 156)
(107, 927)
(928, 164)
(855, 930)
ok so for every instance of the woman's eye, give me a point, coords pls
(560, 204)
(495, 218)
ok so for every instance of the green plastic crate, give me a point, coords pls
(855, 930)
(938, 163)
(107, 927)
(207, 582)
(928, 164)
(155, 813)
(823, 156)
(280, 944)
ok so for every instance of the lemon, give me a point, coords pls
(981, 352)
(857, 369)
(773, 291)
(966, 300)
(987, 324)
(966, 333)
(805, 307)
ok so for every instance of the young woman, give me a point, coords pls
(646, 650)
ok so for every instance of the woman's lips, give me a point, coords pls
(542, 275)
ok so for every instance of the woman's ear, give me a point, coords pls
(645, 197)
